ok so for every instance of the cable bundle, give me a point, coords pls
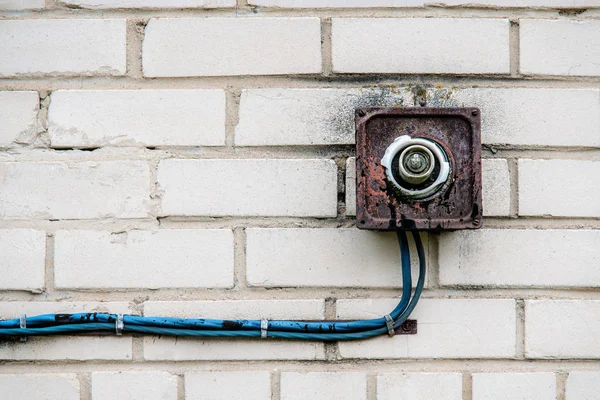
(51, 324)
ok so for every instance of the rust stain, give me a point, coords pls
(380, 207)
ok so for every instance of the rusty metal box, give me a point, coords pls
(457, 205)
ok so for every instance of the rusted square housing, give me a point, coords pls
(379, 205)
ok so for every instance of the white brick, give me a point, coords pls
(179, 349)
(554, 47)
(528, 116)
(67, 47)
(392, 386)
(74, 190)
(271, 117)
(323, 385)
(22, 257)
(121, 385)
(76, 348)
(237, 309)
(18, 116)
(232, 46)
(169, 348)
(562, 329)
(351, 186)
(167, 258)
(371, 45)
(183, 349)
(561, 188)
(142, 4)
(583, 385)
(336, 3)
(496, 187)
(418, 3)
(522, 386)
(12, 309)
(21, 4)
(545, 258)
(324, 257)
(447, 328)
(81, 118)
(225, 385)
(236, 187)
(39, 386)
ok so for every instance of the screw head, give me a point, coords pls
(475, 113)
(361, 113)
(417, 162)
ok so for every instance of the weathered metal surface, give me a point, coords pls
(379, 205)
(409, 327)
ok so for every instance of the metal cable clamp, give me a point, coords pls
(119, 325)
(389, 321)
(23, 325)
(264, 327)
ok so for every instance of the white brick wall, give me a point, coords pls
(550, 47)
(134, 386)
(104, 189)
(583, 385)
(224, 385)
(486, 329)
(419, 3)
(496, 187)
(520, 116)
(530, 116)
(337, 257)
(67, 47)
(22, 256)
(238, 309)
(196, 159)
(232, 46)
(69, 348)
(190, 349)
(248, 187)
(307, 116)
(350, 187)
(470, 46)
(318, 385)
(21, 4)
(103, 4)
(521, 258)
(144, 259)
(561, 188)
(416, 385)
(18, 115)
(137, 117)
(525, 386)
(40, 386)
(548, 336)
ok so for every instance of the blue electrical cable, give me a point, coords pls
(49, 324)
